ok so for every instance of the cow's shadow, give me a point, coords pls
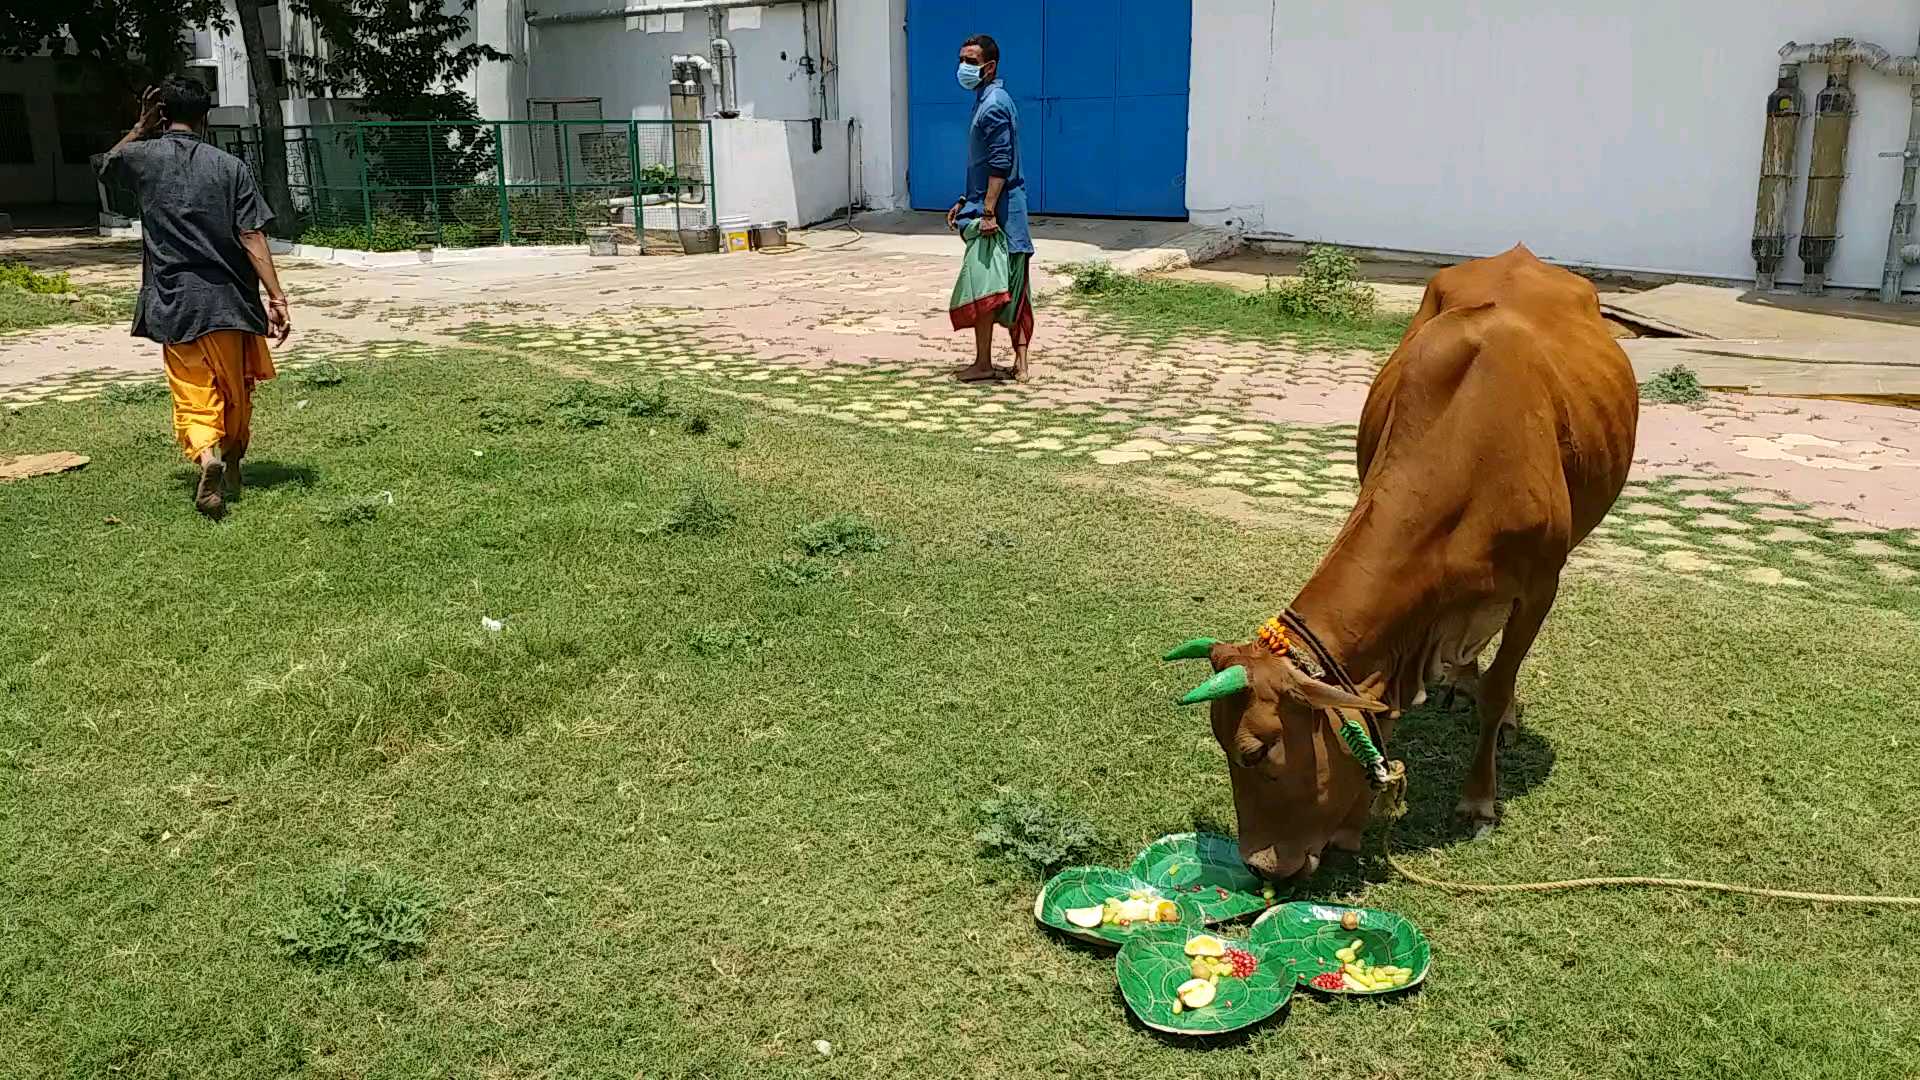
(1436, 741)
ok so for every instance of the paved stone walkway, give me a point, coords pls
(1750, 491)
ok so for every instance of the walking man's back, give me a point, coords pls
(204, 259)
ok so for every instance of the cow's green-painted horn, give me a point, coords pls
(1198, 649)
(1223, 684)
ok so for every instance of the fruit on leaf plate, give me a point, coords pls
(1158, 981)
(1206, 869)
(1109, 907)
(1311, 939)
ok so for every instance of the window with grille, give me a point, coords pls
(16, 142)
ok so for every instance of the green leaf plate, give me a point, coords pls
(1088, 886)
(1205, 867)
(1152, 967)
(1305, 936)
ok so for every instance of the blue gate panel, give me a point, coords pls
(1101, 87)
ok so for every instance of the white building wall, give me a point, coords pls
(1623, 133)
(873, 91)
(627, 68)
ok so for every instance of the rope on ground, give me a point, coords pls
(1390, 805)
(1646, 883)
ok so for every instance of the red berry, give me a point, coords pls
(1328, 980)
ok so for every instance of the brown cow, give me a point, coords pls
(1497, 437)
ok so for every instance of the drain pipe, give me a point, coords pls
(725, 70)
(1849, 51)
(1901, 253)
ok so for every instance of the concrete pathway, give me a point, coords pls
(1817, 495)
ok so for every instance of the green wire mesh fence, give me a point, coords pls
(392, 185)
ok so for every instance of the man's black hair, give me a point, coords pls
(185, 99)
(989, 48)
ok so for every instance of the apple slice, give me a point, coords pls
(1196, 993)
(1086, 918)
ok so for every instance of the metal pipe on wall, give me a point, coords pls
(1849, 51)
(1777, 151)
(1894, 278)
(649, 9)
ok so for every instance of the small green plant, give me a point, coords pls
(1326, 289)
(795, 571)
(1034, 833)
(1094, 278)
(699, 424)
(716, 639)
(320, 375)
(699, 514)
(354, 512)
(1677, 385)
(19, 275)
(143, 392)
(840, 534)
(349, 916)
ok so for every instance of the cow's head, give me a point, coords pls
(1296, 786)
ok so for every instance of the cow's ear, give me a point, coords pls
(1304, 687)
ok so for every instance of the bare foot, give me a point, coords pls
(207, 497)
(977, 373)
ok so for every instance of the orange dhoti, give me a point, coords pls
(212, 380)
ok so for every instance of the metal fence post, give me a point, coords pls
(433, 189)
(707, 169)
(566, 180)
(366, 196)
(633, 181)
(500, 182)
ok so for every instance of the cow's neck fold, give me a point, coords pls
(1363, 604)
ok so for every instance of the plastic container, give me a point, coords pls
(736, 233)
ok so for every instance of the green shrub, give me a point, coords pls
(699, 514)
(794, 571)
(1326, 289)
(1095, 278)
(1677, 385)
(390, 232)
(22, 276)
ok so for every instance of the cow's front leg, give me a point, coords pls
(1497, 710)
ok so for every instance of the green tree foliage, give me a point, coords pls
(130, 44)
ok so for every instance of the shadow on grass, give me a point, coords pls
(263, 475)
(1437, 744)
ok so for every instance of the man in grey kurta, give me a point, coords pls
(204, 260)
(996, 194)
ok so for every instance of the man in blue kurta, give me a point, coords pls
(994, 211)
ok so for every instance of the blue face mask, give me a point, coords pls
(969, 76)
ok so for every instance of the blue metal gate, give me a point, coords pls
(1101, 86)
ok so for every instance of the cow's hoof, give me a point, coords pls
(1478, 814)
(1508, 732)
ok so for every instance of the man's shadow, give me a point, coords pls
(264, 474)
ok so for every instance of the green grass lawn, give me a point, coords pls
(706, 798)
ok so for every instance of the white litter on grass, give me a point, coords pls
(477, 453)
(303, 403)
(825, 1047)
(495, 625)
(389, 497)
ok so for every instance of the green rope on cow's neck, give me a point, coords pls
(1355, 736)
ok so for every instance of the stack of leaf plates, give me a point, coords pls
(1203, 875)
(1310, 934)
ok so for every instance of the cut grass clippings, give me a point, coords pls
(651, 859)
(24, 310)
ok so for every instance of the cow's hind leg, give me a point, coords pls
(1496, 705)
